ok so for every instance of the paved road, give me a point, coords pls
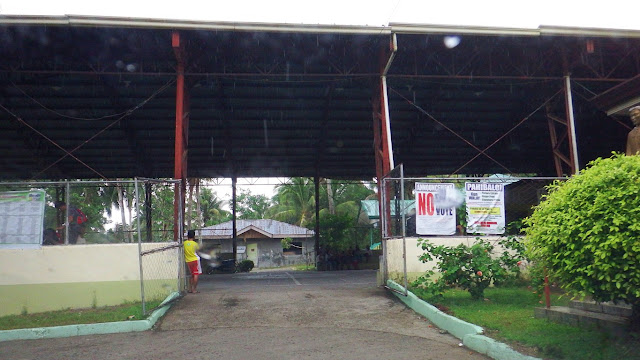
(269, 315)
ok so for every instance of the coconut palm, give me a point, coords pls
(295, 202)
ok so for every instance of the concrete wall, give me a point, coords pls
(416, 268)
(269, 250)
(82, 276)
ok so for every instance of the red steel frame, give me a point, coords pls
(182, 133)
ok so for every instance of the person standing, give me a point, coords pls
(77, 222)
(193, 260)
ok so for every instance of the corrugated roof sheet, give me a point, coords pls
(370, 207)
(271, 228)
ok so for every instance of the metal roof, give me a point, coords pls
(267, 227)
(372, 209)
(295, 101)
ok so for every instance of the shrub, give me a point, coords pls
(472, 268)
(245, 266)
(587, 234)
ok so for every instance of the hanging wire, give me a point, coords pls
(126, 112)
(70, 153)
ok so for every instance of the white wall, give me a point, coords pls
(416, 268)
(77, 276)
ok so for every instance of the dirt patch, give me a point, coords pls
(230, 302)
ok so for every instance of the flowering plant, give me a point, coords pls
(472, 268)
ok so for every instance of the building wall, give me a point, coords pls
(270, 253)
(416, 268)
(80, 276)
(269, 250)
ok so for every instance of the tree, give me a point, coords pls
(587, 234)
(295, 202)
(335, 232)
(211, 208)
(251, 206)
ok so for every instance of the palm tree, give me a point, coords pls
(295, 202)
(211, 208)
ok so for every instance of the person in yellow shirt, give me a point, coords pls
(192, 259)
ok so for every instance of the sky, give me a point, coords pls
(612, 14)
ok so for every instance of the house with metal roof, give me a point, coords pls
(261, 242)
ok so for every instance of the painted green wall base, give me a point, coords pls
(89, 329)
(399, 276)
(33, 298)
(470, 334)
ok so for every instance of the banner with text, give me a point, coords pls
(431, 219)
(485, 207)
(21, 217)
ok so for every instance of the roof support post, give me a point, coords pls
(562, 133)
(383, 147)
(573, 149)
(181, 134)
(316, 183)
(234, 182)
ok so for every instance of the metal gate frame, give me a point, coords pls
(385, 221)
(180, 276)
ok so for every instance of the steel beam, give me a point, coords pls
(571, 125)
(561, 148)
(383, 148)
(316, 244)
(181, 133)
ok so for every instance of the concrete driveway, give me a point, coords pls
(269, 315)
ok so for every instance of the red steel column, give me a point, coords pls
(381, 128)
(181, 135)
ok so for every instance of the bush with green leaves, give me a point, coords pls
(586, 232)
(471, 268)
(245, 266)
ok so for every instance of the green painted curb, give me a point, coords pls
(89, 329)
(470, 334)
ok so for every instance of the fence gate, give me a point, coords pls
(393, 212)
(162, 273)
(162, 267)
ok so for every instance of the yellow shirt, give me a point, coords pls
(190, 248)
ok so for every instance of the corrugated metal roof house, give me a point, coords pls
(264, 227)
(260, 241)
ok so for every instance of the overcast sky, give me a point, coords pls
(614, 14)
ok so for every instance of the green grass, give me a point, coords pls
(304, 267)
(76, 316)
(507, 315)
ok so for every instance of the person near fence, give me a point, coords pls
(193, 260)
(50, 237)
(77, 222)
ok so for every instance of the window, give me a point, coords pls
(295, 249)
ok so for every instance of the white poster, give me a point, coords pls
(21, 217)
(485, 207)
(432, 219)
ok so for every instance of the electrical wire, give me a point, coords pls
(72, 117)
(70, 153)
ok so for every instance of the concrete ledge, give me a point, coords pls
(470, 334)
(453, 325)
(614, 325)
(610, 308)
(90, 329)
(494, 349)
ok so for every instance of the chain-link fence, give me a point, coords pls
(450, 211)
(129, 222)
